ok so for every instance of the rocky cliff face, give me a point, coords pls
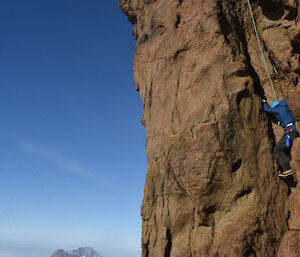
(212, 187)
(294, 103)
(290, 244)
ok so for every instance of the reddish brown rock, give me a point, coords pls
(212, 187)
(290, 245)
(294, 103)
(296, 155)
(294, 198)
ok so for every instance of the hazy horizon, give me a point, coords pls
(34, 249)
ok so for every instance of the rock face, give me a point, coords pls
(212, 187)
(294, 103)
(290, 244)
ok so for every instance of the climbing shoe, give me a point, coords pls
(285, 173)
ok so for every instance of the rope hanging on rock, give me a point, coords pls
(261, 50)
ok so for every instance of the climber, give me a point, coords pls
(287, 121)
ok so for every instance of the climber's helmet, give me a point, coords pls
(274, 104)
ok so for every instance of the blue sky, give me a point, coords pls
(72, 147)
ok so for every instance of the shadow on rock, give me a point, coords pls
(291, 182)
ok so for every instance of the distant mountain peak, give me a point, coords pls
(86, 252)
(80, 252)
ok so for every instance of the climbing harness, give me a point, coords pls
(288, 128)
(261, 50)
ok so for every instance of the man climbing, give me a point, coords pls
(287, 121)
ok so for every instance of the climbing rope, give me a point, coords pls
(261, 50)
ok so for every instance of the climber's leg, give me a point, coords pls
(281, 155)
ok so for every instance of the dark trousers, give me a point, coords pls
(283, 153)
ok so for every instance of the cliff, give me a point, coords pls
(212, 187)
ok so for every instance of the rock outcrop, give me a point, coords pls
(212, 187)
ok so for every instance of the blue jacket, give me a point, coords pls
(282, 113)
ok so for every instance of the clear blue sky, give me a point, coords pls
(72, 147)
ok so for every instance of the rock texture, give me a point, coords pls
(294, 103)
(212, 187)
(290, 244)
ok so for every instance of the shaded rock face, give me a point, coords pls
(212, 187)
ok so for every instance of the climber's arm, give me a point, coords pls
(268, 109)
